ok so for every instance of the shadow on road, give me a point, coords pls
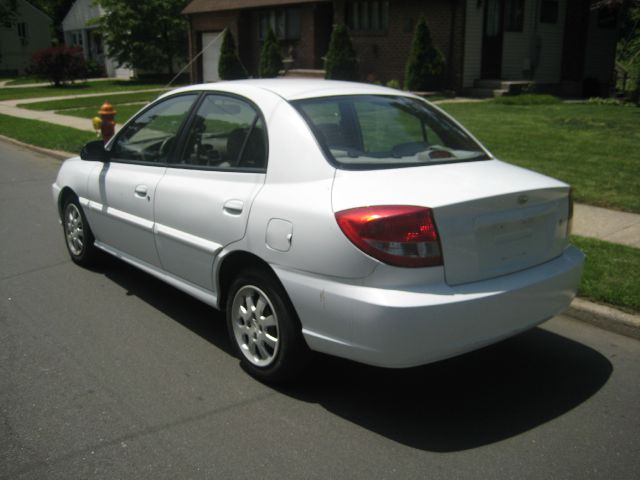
(198, 317)
(457, 404)
(465, 402)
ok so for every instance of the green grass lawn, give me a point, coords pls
(611, 273)
(124, 112)
(44, 134)
(94, 103)
(595, 148)
(97, 86)
(25, 80)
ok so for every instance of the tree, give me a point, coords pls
(148, 35)
(270, 57)
(229, 66)
(341, 62)
(425, 64)
(628, 49)
(7, 12)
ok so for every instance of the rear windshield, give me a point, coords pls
(375, 131)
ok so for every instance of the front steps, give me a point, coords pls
(304, 73)
(497, 88)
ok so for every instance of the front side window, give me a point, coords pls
(226, 133)
(150, 137)
(375, 131)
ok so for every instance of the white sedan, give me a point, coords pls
(336, 217)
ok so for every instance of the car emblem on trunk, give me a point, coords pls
(522, 199)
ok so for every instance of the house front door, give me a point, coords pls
(492, 39)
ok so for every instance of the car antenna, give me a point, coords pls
(195, 58)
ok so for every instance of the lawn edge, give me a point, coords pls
(57, 154)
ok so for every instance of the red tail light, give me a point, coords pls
(401, 235)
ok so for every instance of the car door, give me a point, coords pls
(203, 200)
(121, 191)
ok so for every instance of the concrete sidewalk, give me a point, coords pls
(64, 120)
(23, 101)
(10, 107)
(608, 225)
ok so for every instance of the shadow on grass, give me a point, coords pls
(466, 402)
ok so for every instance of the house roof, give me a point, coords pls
(80, 14)
(201, 6)
(38, 10)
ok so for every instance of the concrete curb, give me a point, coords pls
(57, 154)
(604, 317)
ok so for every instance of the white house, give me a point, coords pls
(30, 32)
(80, 31)
(567, 43)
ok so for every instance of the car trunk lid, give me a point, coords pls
(493, 218)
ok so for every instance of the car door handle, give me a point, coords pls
(141, 190)
(233, 207)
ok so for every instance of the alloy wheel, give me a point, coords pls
(255, 326)
(74, 230)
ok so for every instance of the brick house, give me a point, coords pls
(566, 45)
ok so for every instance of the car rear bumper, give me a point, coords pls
(408, 327)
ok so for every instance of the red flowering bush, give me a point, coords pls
(59, 65)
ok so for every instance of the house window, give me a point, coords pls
(408, 25)
(76, 38)
(514, 15)
(368, 16)
(23, 33)
(549, 11)
(22, 29)
(285, 23)
(607, 17)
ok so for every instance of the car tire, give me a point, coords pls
(264, 329)
(78, 236)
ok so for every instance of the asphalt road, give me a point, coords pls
(112, 374)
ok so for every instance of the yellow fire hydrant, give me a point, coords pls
(107, 121)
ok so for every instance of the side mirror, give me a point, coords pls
(94, 151)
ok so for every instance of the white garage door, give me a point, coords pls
(211, 55)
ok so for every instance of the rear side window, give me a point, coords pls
(375, 131)
(226, 133)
